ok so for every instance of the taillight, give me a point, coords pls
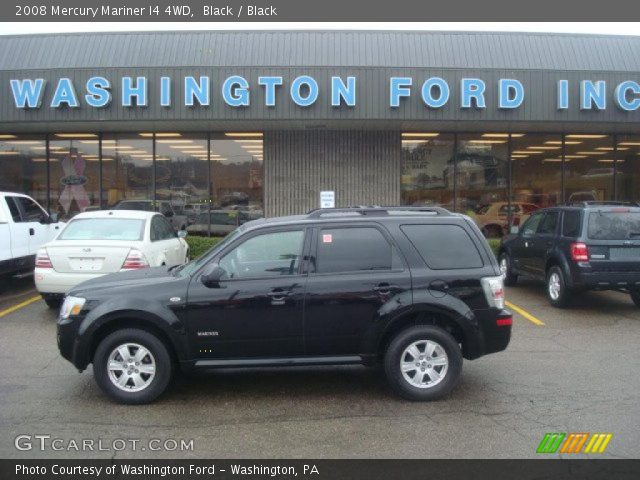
(135, 260)
(579, 252)
(43, 260)
(504, 321)
(493, 291)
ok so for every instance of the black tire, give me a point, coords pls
(635, 296)
(564, 294)
(396, 349)
(510, 278)
(52, 302)
(163, 366)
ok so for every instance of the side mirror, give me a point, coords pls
(182, 233)
(45, 219)
(514, 229)
(212, 278)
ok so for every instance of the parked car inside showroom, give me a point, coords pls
(177, 218)
(493, 218)
(217, 223)
(96, 243)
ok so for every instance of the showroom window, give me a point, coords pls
(427, 169)
(628, 168)
(588, 168)
(23, 162)
(74, 165)
(481, 178)
(536, 174)
(182, 172)
(237, 173)
(127, 168)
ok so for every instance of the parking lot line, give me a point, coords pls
(525, 314)
(20, 305)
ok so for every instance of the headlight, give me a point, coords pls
(71, 306)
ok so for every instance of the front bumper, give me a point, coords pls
(66, 333)
(49, 281)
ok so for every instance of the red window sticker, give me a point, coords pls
(327, 238)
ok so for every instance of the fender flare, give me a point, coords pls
(165, 322)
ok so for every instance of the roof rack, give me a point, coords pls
(589, 203)
(375, 210)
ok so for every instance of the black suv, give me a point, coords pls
(585, 246)
(416, 289)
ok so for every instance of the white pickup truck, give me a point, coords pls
(24, 227)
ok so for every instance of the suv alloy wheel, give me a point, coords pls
(558, 293)
(132, 366)
(423, 363)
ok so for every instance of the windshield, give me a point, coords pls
(612, 225)
(194, 265)
(103, 229)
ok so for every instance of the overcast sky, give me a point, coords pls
(621, 28)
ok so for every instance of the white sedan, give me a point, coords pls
(97, 243)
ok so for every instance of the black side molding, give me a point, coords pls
(279, 362)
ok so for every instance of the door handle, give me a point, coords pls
(439, 285)
(384, 288)
(32, 232)
(278, 294)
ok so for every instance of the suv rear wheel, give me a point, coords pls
(558, 292)
(423, 363)
(506, 269)
(635, 296)
(132, 366)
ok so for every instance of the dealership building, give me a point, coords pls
(269, 120)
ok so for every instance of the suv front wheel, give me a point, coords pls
(132, 366)
(423, 363)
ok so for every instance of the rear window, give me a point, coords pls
(571, 223)
(103, 229)
(355, 249)
(444, 246)
(614, 225)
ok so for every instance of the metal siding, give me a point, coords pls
(365, 49)
(362, 167)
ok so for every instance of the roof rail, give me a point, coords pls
(375, 210)
(588, 203)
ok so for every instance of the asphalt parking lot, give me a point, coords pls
(578, 372)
